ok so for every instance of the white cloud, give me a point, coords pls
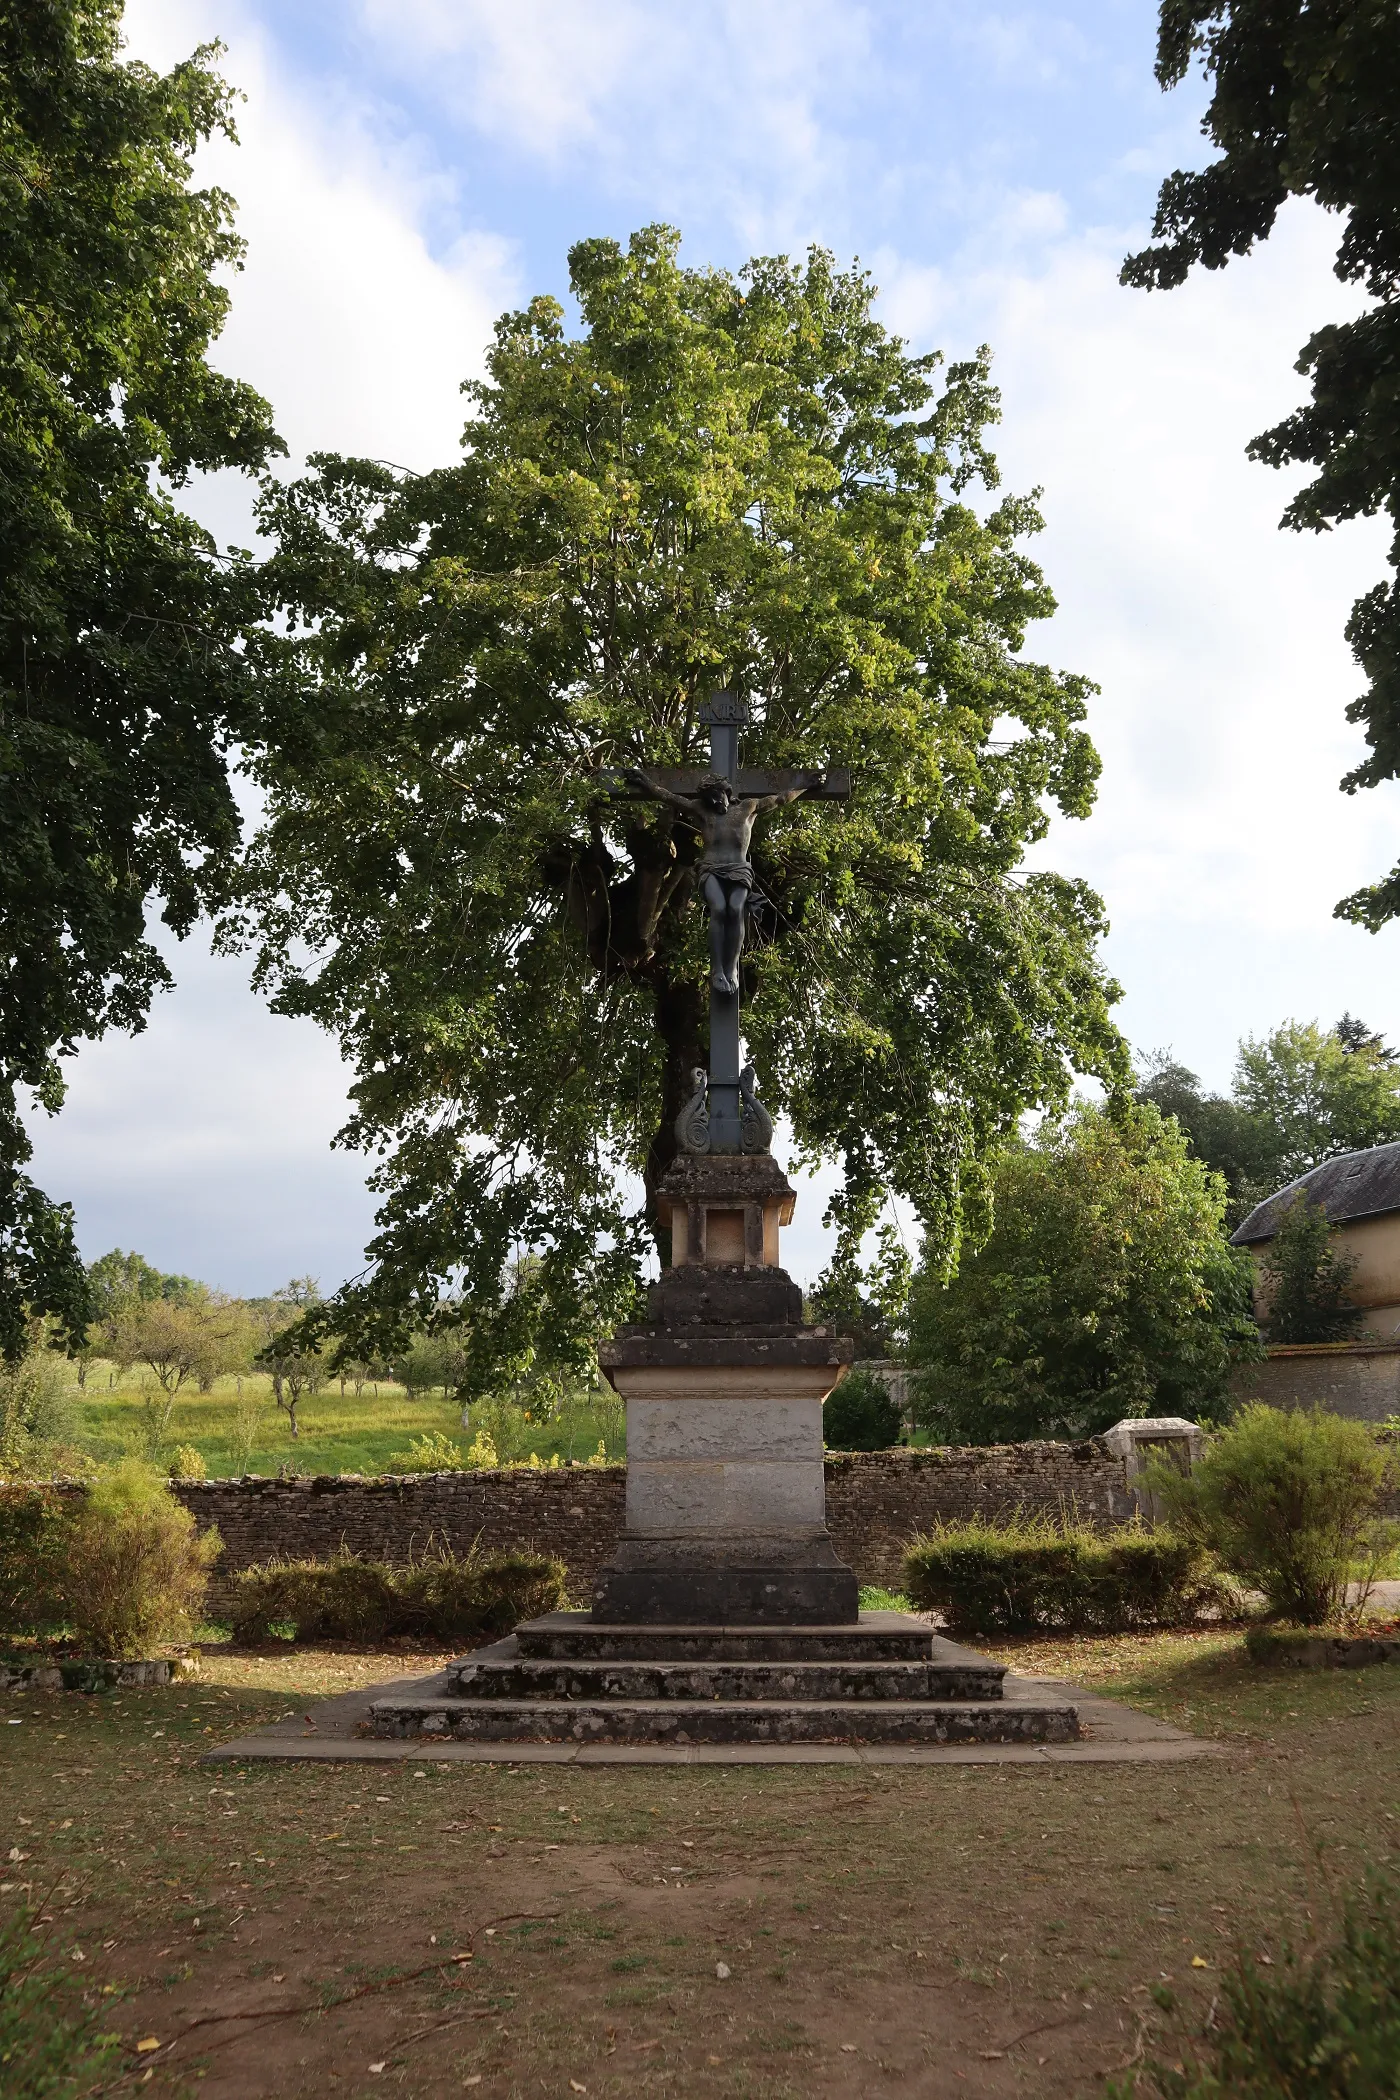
(713, 111)
(1220, 841)
(356, 331)
(206, 1140)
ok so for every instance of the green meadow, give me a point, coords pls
(236, 1426)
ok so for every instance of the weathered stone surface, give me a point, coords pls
(696, 1498)
(724, 1294)
(73, 1675)
(709, 1430)
(720, 1348)
(736, 1721)
(878, 1636)
(490, 1677)
(729, 1580)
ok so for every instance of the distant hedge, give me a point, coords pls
(1033, 1575)
(442, 1597)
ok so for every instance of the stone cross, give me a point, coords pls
(722, 805)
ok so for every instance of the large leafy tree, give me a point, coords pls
(1312, 1096)
(1106, 1290)
(1304, 103)
(716, 478)
(120, 674)
(1301, 1094)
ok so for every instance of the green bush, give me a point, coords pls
(861, 1415)
(1026, 1574)
(50, 2043)
(35, 1523)
(1326, 2027)
(135, 1567)
(444, 1596)
(1289, 1502)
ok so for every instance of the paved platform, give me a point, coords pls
(1112, 1734)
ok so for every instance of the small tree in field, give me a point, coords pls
(1305, 1278)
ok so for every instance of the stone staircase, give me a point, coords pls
(565, 1678)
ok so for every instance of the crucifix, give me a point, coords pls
(722, 806)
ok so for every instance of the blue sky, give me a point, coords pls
(409, 168)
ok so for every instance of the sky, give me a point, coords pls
(408, 169)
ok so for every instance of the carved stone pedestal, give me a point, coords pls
(726, 1491)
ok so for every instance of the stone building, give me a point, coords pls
(1360, 1192)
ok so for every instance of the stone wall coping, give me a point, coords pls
(1278, 1349)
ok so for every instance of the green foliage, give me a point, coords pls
(37, 1411)
(1237, 1146)
(1306, 1276)
(870, 1303)
(121, 678)
(1322, 2025)
(117, 1278)
(135, 1568)
(433, 1453)
(1034, 1574)
(434, 1361)
(1301, 1095)
(35, 1529)
(444, 1596)
(1105, 1290)
(719, 476)
(1303, 104)
(1316, 1095)
(861, 1415)
(1289, 1502)
(187, 1464)
(51, 2043)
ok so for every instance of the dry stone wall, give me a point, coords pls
(874, 1501)
(1360, 1379)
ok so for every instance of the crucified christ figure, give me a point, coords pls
(725, 822)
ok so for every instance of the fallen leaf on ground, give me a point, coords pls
(147, 2042)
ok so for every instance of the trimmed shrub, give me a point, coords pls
(1324, 2027)
(342, 1599)
(1289, 1502)
(1032, 1575)
(479, 1593)
(861, 1414)
(445, 1596)
(135, 1567)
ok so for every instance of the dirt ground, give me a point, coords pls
(438, 1929)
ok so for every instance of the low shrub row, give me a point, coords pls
(1032, 1574)
(444, 1596)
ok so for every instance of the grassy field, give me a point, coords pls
(923, 1931)
(339, 1432)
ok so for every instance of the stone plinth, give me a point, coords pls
(726, 1488)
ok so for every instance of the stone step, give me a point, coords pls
(681, 1721)
(877, 1636)
(521, 1677)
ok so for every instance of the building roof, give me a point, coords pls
(1354, 1185)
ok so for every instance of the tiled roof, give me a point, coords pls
(1354, 1185)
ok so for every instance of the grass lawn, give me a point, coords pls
(339, 1433)
(935, 1930)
